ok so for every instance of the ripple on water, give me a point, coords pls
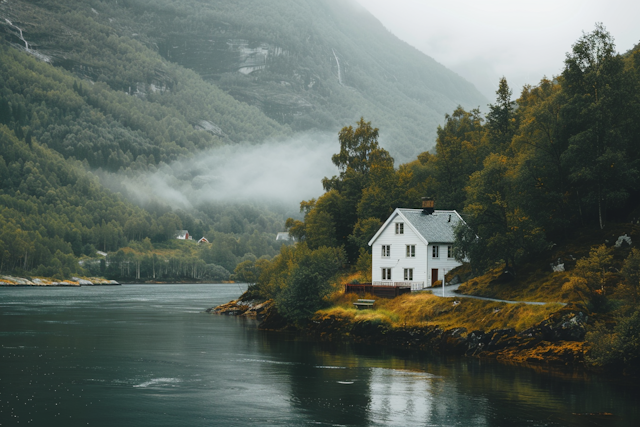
(159, 382)
(271, 362)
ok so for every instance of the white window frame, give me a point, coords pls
(449, 251)
(408, 274)
(386, 273)
(386, 251)
(399, 227)
(411, 251)
(435, 251)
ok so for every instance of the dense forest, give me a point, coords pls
(58, 128)
(563, 155)
(560, 160)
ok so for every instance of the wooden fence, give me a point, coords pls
(386, 291)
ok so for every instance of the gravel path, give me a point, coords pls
(451, 292)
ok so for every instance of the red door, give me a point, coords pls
(434, 276)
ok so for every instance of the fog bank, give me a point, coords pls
(282, 173)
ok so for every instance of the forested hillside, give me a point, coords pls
(57, 127)
(564, 155)
(117, 94)
(315, 64)
(534, 180)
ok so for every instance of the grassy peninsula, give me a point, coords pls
(549, 188)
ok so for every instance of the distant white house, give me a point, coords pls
(183, 235)
(283, 236)
(414, 247)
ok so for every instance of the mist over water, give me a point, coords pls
(274, 172)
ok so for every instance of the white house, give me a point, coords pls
(414, 247)
(283, 236)
(183, 235)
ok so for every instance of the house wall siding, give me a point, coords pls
(398, 260)
(423, 262)
(443, 263)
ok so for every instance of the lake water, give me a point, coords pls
(147, 355)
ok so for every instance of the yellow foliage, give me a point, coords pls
(425, 309)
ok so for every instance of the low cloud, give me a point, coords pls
(279, 173)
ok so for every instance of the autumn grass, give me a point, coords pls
(538, 285)
(535, 281)
(425, 309)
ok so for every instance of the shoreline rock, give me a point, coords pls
(249, 309)
(11, 281)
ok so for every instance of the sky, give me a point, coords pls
(522, 41)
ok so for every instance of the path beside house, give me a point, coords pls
(450, 292)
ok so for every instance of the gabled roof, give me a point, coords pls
(435, 228)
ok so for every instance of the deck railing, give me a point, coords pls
(415, 286)
(383, 284)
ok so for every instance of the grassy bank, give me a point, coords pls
(425, 309)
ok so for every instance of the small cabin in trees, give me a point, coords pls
(414, 247)
(283, 236)
(183, 235)
(203, 240)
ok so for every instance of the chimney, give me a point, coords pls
(427, 205)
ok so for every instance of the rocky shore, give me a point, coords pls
(43, 281)
(244, 309)
(557, 340)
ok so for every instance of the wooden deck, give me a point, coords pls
(379, 291)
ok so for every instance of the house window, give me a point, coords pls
(386, 274)
(386, 251)
(399, 228)
(408, 274)
(449, 251)
(435, 253)
(411, 251)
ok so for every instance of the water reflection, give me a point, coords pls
(148, 356)
(358, 385)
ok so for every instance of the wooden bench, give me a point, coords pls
(363, 304)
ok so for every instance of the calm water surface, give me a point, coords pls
(147, 355)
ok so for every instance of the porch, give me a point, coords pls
(414, 286)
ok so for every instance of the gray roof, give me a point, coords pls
(435, 228)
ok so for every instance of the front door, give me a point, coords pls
(434, 276)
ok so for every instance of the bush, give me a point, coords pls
(618, 347)
(308, 282)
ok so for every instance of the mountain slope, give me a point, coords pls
(313, 64)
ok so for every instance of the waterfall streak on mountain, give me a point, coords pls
(26, 43)
(338, 62)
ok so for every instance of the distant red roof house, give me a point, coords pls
(183, 235)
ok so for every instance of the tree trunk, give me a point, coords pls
(600, 208)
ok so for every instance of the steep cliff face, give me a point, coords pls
(310, 64)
